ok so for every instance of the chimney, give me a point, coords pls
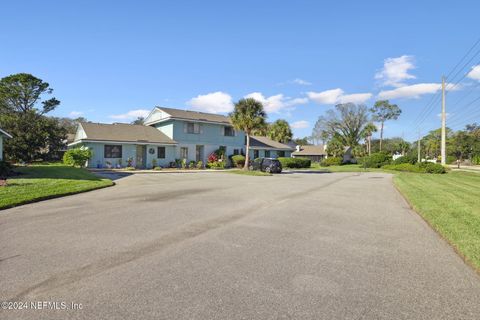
(298, 148)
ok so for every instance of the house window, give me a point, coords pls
(229, 131)
(112, 151)
(161, 152)
(281, 153)
(236, 151)
(267, 153)
(184, 153)
(256, 154)
(193, 128)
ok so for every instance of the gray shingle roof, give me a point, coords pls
(310, 151)
(122, 132)
(196, 116)
(259, 142)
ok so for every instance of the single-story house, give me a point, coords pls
(3, 134)
(121, 145)
(314, 153)
(264, 147)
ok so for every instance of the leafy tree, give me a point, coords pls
(280, 131)
(23, 93)
(382, 112)
(302, 141)
(69, 124)
(22, 113)
(368, 131)
(248, 115)
(346, 123)
(77, 157)
(335, 147)
(139, 121)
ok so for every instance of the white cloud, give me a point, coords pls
(215, 102)
(355, 98)
(276, 103)
(415, 91)
(300, 124)
(131, 115)
(75, 114)
(475, 73)
(395, 71)
(301, 82)
(335, 96)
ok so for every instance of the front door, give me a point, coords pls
(141, 160)
(199, 153)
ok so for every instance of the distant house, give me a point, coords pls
(118, 144)
(314, 153)
(3, 135)
(264, 147)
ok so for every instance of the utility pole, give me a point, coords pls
(444, 124)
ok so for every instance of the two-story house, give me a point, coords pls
(169, 134)
(198, 134)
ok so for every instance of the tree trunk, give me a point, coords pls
(381, 136)
(369, 145)
(247, 153)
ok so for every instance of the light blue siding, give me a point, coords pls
(128, 151)
(211, 137)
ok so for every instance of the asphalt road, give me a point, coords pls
(224, 246)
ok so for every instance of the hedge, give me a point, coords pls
(331, 161)
(295, 162)
(424, 167)
(377, 160)
(238, 160)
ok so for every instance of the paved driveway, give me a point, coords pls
(223, 246)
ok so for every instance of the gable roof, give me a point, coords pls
(259, 142)
(192, 116)
(122, 132)
(310, 151)
(4, 133)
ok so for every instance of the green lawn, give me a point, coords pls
(451, 205)
(41, 182)
(344, 168)
(248, 172)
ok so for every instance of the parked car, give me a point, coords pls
(266, 165)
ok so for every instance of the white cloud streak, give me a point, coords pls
(215, 102)
(276, 103)
(131, 115)
(302, 124)
(335, 96)
(395, 71)
(415, 91)
(475, 73)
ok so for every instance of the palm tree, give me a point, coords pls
(248, 115)
(280, 131)
(368, 131)
(384, 111)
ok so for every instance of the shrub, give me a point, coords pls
(214, 160)
(331, 161)
(295, 162)
(200, 164)
(451, 159)
(430, 167)
(192, 165)
(424, 167)
(238, 160)
(405, 167)
(154, 163)
(157, 168)
(5, 169)
(476, 159)
(376, 160)
(77, 157)
(405, 159)
(184, 163)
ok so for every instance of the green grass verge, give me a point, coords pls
(40, 182)
(248, 172)
(344, 168)
(450, 203)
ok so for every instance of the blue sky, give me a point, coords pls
(111, 60)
